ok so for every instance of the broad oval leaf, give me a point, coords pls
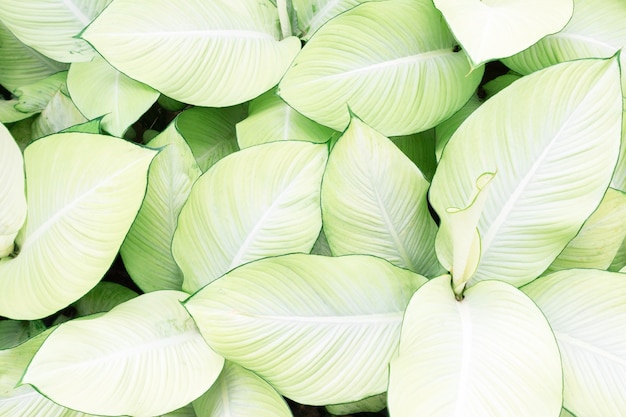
(491, 354)
(261, 201)
(146, 251)
(99, 89)
(492, 29)
(77, 219)
(12, 193)
(391, 62)
(51, 26)
(374, 202)
(553, 164)
(321, 330)
(239, 392)
(586, 309)
(145, 357)
(219, 53)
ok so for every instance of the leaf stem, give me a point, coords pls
(283, 16)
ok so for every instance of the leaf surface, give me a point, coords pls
(106, 365)
(386, 61)
(220, 53)
(491, 354)
(552, 164)
(12, 192)
(307, 324)
(312, 14)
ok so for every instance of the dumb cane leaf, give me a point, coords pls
(492, 29)
(307, 323)
(312, 14)
(143, 358)
(374, 202)
(239, 392)
(83, 193)
(261, 201)
(586, 309)
(60, 113)
(491, 354)
(552, 140)
(51, 26)
(219, 53)
(12, 192)
(386, 61)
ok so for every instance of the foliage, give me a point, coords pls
(332, 201)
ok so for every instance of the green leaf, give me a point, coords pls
(222, 52)
(553, 164)
(102, 298)
(258, 202)
(373, 404)
(445, 129)
(619, 261)
(619, 177)
(91, 126)
(491, 354)
(386, 61)
(8, 112)
(271, 119)
(50, 26)
(59, 114)
(14, 332)
(239, 392)
(76, 221)
(420, 149)
(489, 30)
(35, 97)
(147, 250)
(99, 89)
(106, 365)
(307, 324)
(596, 244)
(21, 65)
(312, 14)
(586, 309)
(374, 202)
(12, 192)
(210, 132)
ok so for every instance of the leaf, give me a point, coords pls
(99, 89)
(312, 14)
(9, 114)
(490, 355)
(50, 26)
(445, 129)
(586, 309)
(35, 97)
(553, 164)
(146, 251)
(76, 221)
(271, 119)
(106, 365)
(420, 149)
(239, 392)
(489, 30)
(225, 52)
(374, 202)
(21, 65)
(12, 192)
(596, 244)
(385, 61)
(307, 324)
(373, 404)
(14, 332)
(102, 298)
(59, 114)
(210, 132)
(258, 202)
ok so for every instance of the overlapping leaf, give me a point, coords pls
(392, 62)
(12, 192)
(312, 14)
(307, 324)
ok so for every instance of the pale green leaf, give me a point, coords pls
(21, 65)
(239, 392)
(553, 164)
(565, 413)
(12, 192)
(8, 112)
(312, 14)
(619, 177)
(445, 129)
(210, 132)
(619, 261)
(261, 201)
(374, 202)
(147, 250)
(271, 119)
(219, 53)
(106, 365)
(51, 26)
(321, 330)
(420, 149)
(596, 244)
(586, 309)
(493, 29)
(99, 89)
(60, 114)
(186, 411)
(373, 404)
(386, 61)
(491, 354)
(77, 219)
(102, 298)
(35, 97)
